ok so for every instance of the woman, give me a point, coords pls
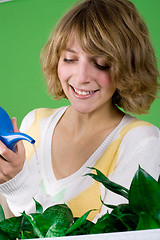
(101, 59)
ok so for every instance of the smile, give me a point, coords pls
(83, 92)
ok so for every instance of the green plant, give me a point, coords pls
(55, 221)
(141, 212)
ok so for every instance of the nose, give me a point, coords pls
(83, 73)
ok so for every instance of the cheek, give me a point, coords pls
(104, 80)
(60, 71)
(63, 73)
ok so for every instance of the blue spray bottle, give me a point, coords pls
(7, 134)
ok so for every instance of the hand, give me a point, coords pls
(11, 163)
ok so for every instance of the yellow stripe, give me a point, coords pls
(90, 197)
(34, 130)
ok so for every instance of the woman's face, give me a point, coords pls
(85, 79)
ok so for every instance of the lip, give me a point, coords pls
(85, 93)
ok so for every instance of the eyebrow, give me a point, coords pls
(70, 50)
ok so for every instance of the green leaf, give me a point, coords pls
(120, 219)
(123, 208)
(35, 228)
(26, 229)
(4, 236)
(54, 232)
(79, 222)
(39, 208)
(26, 235)
(41, 222)
(114, 187)
(59, 218)
(124, 214)
(108, 205)
(147, 221)
(104, 224)
(159, 179)
(144, 193)
(23, 236)
(156, 216)
(11, 226)
(83, 229)
(2, 216)
(125, 218)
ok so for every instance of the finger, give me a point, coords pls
(5, 171)
(6, 153)
(10, 164)
(14, 123)
(20, 148)
(2, 157)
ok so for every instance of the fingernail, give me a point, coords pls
(14, 119)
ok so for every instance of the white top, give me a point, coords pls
(136, 145)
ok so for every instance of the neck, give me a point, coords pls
(102, 118)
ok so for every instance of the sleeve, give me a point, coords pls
(20, 191)
(139, 147)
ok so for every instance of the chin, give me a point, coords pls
(83, 109)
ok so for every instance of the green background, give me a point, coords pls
(24, 28)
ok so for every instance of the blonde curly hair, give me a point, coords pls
(115, 30)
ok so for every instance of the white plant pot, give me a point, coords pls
(153, 234)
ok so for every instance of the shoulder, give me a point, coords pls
(138, 129)
(140, 137)
(141, 140)
(35, 116)
(140, 145)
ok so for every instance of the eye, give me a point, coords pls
(68, 60)
(102, 67)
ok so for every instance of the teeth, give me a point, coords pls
(82, 92)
